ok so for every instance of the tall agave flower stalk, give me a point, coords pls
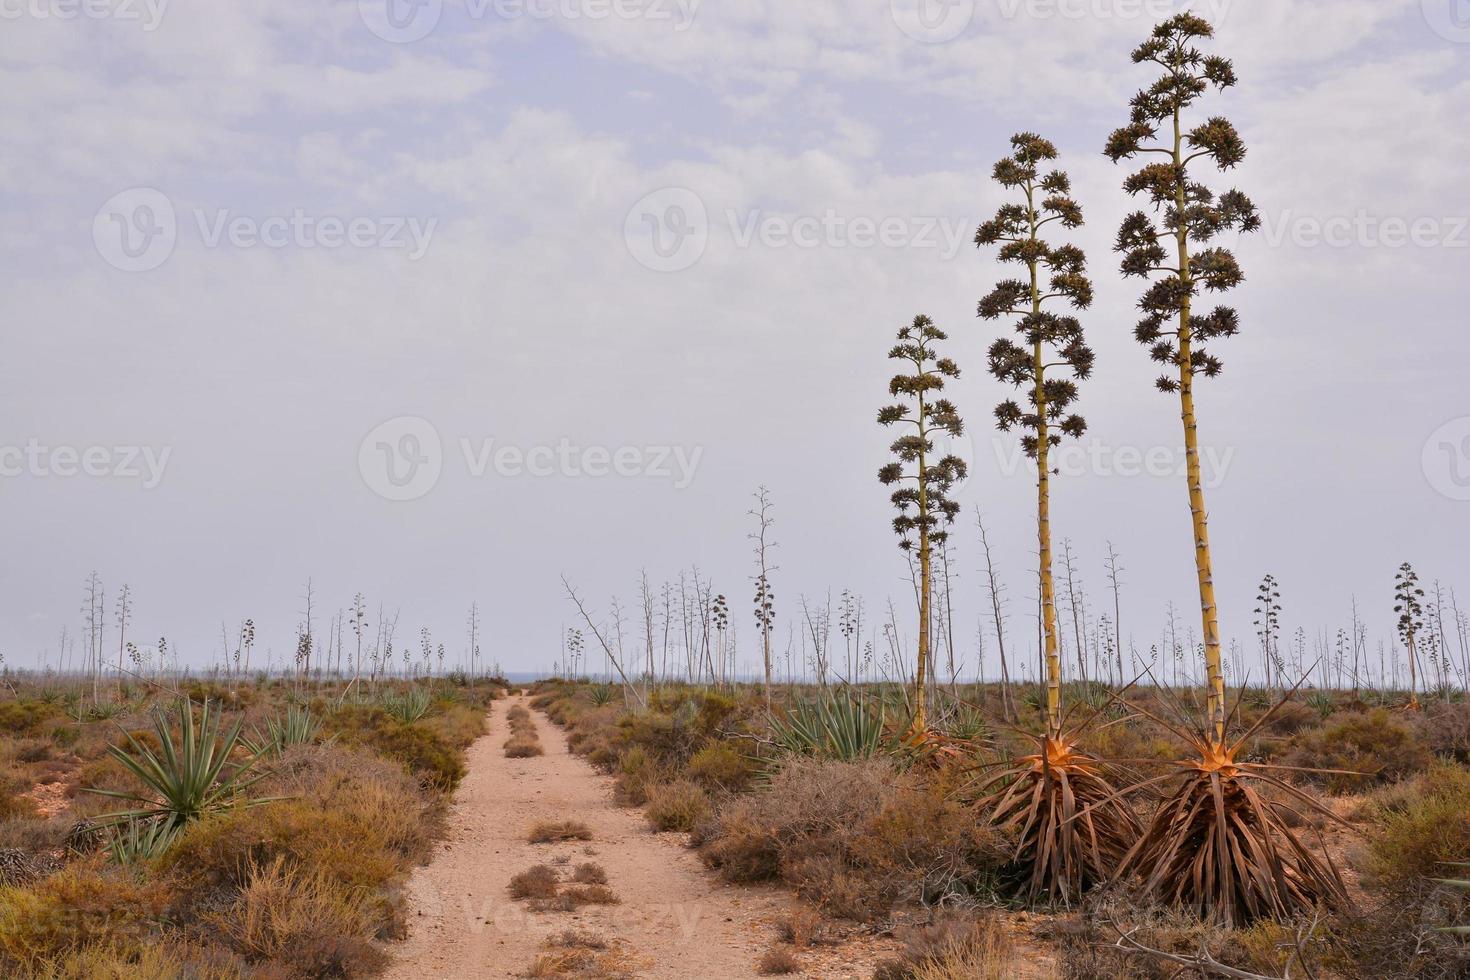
(1215, 845)
(922, 475)
(1069, 824)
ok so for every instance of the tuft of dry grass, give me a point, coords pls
(555, 831)
(590, 873)
(778, 962)
(520, 747)
(537, 882)
(579, 895)
(284, 915)
(805, 927)
(576, 939)
(953, 947)
(676, 806)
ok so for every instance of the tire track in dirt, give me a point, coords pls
(676, 920)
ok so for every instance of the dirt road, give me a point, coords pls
(675, 919)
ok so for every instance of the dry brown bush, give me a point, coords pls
(307, 923)
(1444, 727)
(1376, 747)
(520, 747)
(589, 873)
(576, 939)
(537, 882)
(590, 895)
(554, 831)
(676, 806)
(778, 962)
(855, 837)
(953, 947)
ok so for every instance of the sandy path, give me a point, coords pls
(675, 921)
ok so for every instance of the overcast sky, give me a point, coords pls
(439, 302)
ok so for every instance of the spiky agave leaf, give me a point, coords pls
(1218, 848)
(1456, 883)
(186, 777)
(1071, 827)
(840, 726)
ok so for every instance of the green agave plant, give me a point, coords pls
(188, 775)
(843, 727)
(409, 706)
(1322, 703)
(297, 727)
(600, 694)
(106, 710)
(141, 840)
(1456, 883)
(966, 724)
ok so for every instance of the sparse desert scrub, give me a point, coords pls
(303, 883)
(421, 746)
(86, 906)
(1418, 828)
(575, 896)
(1444, 728)
(953, 946)
(556, 831)
(1370, 748)
(359, 821)
(538, 882)
(677, 806)
(574, 953)
(1088, 945)
(520, 747)
(778, 962)
(303, 921)
(589, 873)
(853, 837)
(720, 766)
(524, 742)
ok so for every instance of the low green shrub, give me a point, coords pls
(676, 806)
(1374, 747)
